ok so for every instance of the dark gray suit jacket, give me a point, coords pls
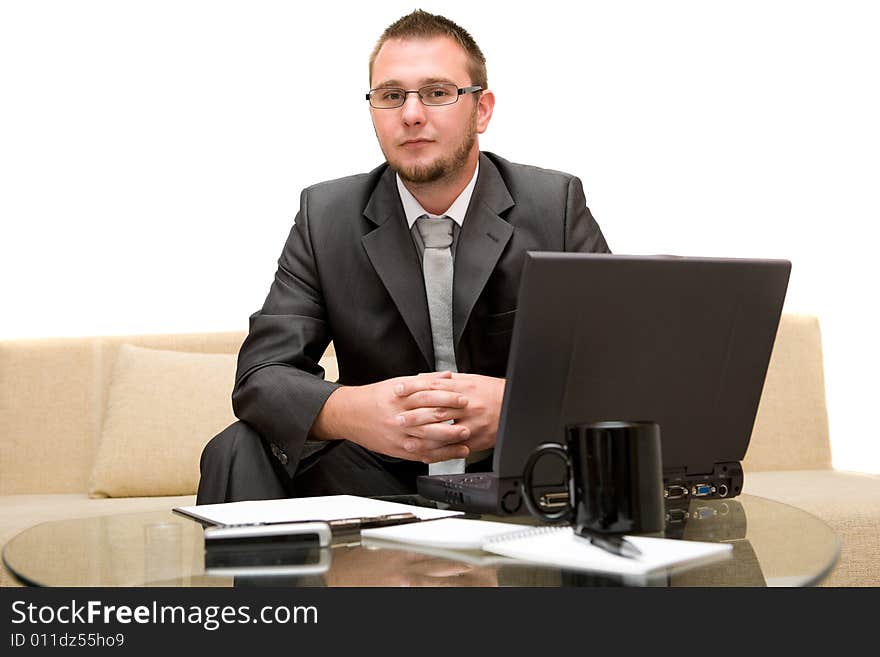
(350, 273)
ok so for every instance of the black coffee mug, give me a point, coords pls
(615, 478)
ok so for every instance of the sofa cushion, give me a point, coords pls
(52, 397)
(162, 408)
(49, 401)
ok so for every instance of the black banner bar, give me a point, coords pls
(239, 621)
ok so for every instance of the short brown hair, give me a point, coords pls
(422, 25)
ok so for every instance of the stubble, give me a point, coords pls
(443, 167)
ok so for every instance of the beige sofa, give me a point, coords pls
(127, 416)
(789, 456)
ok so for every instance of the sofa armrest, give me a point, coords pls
(791, 426)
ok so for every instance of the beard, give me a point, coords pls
(442, 167)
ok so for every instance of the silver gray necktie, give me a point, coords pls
(437, 266)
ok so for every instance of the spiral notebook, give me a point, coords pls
(550, 545)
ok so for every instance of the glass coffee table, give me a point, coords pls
(773, 545)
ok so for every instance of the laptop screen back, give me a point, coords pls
(684, 342)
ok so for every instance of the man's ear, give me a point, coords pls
(485, 105)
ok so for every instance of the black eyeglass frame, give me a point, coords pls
(460, 91)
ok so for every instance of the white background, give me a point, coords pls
(152, 153)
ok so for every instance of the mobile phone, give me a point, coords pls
(316, 534)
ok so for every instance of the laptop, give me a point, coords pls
(681, 341)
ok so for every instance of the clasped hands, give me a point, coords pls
(409, 417)
(444, 415)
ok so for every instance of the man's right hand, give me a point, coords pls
(370, 416)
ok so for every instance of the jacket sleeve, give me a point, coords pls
(582, 232)
(279, 385)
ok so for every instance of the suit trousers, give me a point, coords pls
(237, 465)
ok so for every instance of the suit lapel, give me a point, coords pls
(480, 244)
(483, 237)
(392, 253)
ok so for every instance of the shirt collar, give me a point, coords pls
(413, 209)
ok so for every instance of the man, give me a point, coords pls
(412, 270)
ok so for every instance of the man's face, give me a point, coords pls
(426, 144)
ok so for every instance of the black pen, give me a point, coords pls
(338, 525)
(612, 544)
(356, 524)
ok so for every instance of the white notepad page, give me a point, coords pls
(563, 548)
(460, 534)
(327, 507)
(460, 541)
(552, 546)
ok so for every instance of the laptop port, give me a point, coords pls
(554, 500)
(701, 490)
(675, 516)
(511, 502)
(722, 490)
(675, 492)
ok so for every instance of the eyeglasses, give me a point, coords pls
(431, 95)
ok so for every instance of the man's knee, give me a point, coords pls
(235, 466)
(224, 444)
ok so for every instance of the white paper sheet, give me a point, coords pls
(328, 507)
